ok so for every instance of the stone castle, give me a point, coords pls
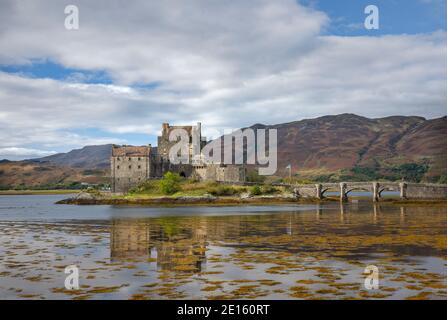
(132, 165)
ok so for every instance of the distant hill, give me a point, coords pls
(329, 148)
(63, 170)
(35, 174)
(89, 157)
(348, 145)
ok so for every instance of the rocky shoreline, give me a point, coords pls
(92, 199)
(85, 198)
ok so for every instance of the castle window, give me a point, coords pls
(139, 159)
(117, 167)
(130, 167)
(130, 159)
(139, 167)
(118, 158)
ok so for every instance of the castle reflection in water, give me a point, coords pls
(171, 245)
(174, 243)
(180, 243)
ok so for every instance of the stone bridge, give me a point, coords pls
(406, 190)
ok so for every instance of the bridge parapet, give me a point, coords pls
(406, 190)
(426, 191)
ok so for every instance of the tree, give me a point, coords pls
(170, 183)
(411, 171)
(443, 178)
(255, 190)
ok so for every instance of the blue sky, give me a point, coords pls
(49, 69)
(396, 17)
(131, 67)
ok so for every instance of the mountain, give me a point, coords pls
(329, 148)
(89, 157)
(348, 144)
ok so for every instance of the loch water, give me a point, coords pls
(239, 252)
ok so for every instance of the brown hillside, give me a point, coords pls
(29, 174)
(333, 143)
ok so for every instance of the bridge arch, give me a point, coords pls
(349, 190)
(328, 187)
(324, 190)
(388, 187)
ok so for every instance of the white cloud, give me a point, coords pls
(226, 64)
(21, 153)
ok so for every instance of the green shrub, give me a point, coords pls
(410, 171)
(149, 186)
(222, 190)
(269, 189)
(255, 190)
(93, 191)
(443, 178)
(365, 173)
(254, 176)
(170, 183)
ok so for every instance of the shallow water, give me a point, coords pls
(265, 252)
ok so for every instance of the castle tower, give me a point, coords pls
(193, 132)
(129, 166)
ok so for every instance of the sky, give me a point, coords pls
(133, 65)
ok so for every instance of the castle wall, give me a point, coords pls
(128, 172)
(158, 166)
(204, 173)
(184, 170)
(223, 173)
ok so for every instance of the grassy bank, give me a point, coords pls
(174, 186)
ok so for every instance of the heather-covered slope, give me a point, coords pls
(344, 142)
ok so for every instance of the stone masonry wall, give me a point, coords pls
(223, 173)
(128, 172)
(426, 191)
